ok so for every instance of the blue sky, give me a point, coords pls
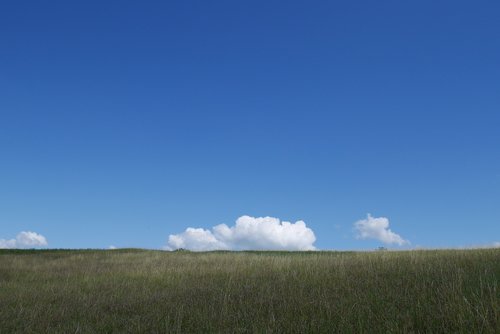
(124, 122)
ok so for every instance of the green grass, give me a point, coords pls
(137, 291)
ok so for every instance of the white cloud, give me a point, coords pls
(249, 233)
(378, 229)
(25, 240)
(495, 244)
(7, 243)
(196, 239)
(112, 247)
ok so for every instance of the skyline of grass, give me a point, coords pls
(147, 291)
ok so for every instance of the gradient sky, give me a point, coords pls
(123, 122)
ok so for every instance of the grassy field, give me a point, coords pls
(136, 291)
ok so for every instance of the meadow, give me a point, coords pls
(143, 291)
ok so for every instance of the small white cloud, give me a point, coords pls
(31, 239)
(249, 233)
(112, 247)
(195, 239)
(378, 229)
(495, 244)
(25, 240)
(7, 243)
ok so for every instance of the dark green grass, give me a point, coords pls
(136, 291)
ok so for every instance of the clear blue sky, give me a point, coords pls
(123, 122)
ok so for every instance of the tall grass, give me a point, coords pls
(132, 291)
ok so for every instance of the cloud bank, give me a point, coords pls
(25, 240)
(248, 233)
(378, 229)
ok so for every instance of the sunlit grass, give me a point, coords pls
(124, 291)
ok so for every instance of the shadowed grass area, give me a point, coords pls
(139, 291)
